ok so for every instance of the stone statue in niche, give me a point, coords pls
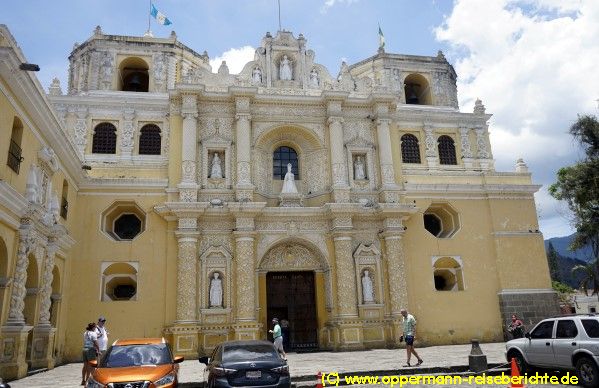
(359, 171)
(215, 167)
(216, 291)
(367, 290)
(257, 76)
(289, 182)
(314, 79)
(285, 72)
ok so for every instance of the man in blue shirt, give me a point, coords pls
(278, 337)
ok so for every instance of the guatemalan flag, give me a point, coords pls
(159, 16)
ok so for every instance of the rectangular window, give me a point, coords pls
(14, 156)
(566, 329)
(591, 326)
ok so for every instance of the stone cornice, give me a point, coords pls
(486, 189)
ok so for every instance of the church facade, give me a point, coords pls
(199, 205)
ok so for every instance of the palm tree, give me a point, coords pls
(589, 272)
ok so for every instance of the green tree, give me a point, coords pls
(578, 185)
(589, 277)
(564, 292)
(552, 260)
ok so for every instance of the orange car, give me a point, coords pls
(136, 363)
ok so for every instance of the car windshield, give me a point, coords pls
(258, 352)
(135, 355)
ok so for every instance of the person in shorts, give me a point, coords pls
(90, 351)
(277, 337)
(409, 334)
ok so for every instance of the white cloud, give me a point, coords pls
(534, 65)
(330, 3)
(236, 59)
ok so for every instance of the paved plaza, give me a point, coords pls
(305, 365)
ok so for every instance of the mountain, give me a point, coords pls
(562, 246)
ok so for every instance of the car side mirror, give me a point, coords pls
(178, 359)
(93, 363)
(527, 335)
(204, 360)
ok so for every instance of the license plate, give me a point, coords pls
(253, 374)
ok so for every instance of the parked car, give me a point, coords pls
(136, 363)
(567, 343)
(246, 363)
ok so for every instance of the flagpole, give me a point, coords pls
(279, 1)
(149, 12)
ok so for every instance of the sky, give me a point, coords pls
(533, 63)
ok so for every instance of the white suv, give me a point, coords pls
(565, 342)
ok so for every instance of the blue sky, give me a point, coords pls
(532, 62)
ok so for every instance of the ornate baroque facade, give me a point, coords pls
(180, 186)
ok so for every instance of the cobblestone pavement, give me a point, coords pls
(307, 364)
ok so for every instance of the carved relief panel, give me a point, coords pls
(368, 274)
(215, 281)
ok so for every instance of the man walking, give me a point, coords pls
(278, 337)
(102, 336)
(409, 333)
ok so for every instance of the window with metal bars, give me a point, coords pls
(410, 150)
(150, 140)
(446, 148)
(14, 156)
(104, 141)
(281, 157)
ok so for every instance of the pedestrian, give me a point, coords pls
(285, 334)
(409, 334)
(516, 327)
(277, 337)
(102, 332)
(90, 351)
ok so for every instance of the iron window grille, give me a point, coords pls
(410, 150)
(14, 156)
(149, 140)
(104, 141)
(447, 150)
(281, 157)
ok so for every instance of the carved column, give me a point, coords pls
(187, 273)
(347, 305)
(243, 138)
(127, 133)
(466, 147)
(80, 135)
(17, 298)
(389, 187)
(338, 160)
(483, 154)
(46, 292)
(431, 152)
(188, 186)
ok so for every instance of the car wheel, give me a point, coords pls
(588, 373)
(523, 366)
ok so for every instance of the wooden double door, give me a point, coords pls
(291, 296)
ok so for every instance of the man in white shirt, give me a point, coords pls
(102, 336)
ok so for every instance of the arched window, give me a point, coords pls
(64, 204)
(104, 141)
(447, 150)
(134, 75)
(281, 157)
(14, 149)
(410, 151)
(149, 140)
(417, 90)
(448, 275)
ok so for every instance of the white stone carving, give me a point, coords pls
(359, 168)
(216, 291)
(314, 79)
(465, 141)
(481, 143)
(216, 168)
(257, 76)
(367, 288)
(285, 69)
(289, 182)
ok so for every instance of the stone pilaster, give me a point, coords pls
(13, 348)
(347, 300)
(80, 130)
(466, 147)
(46, 289)
(338, 160)
(388, 187)
(17, 297)
(243, 137)
(482, 144)
(396, 270)
(187, 276)
(127, 133)
(42, 347)
(431, 152)
(188, 186)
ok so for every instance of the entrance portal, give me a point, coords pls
(291, 296)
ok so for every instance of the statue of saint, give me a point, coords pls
(285, 72)
(359, 172)
(257, 76)
(314, 80)
(367, 291)
(288, 182)
(216, 170)
(216, 291)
